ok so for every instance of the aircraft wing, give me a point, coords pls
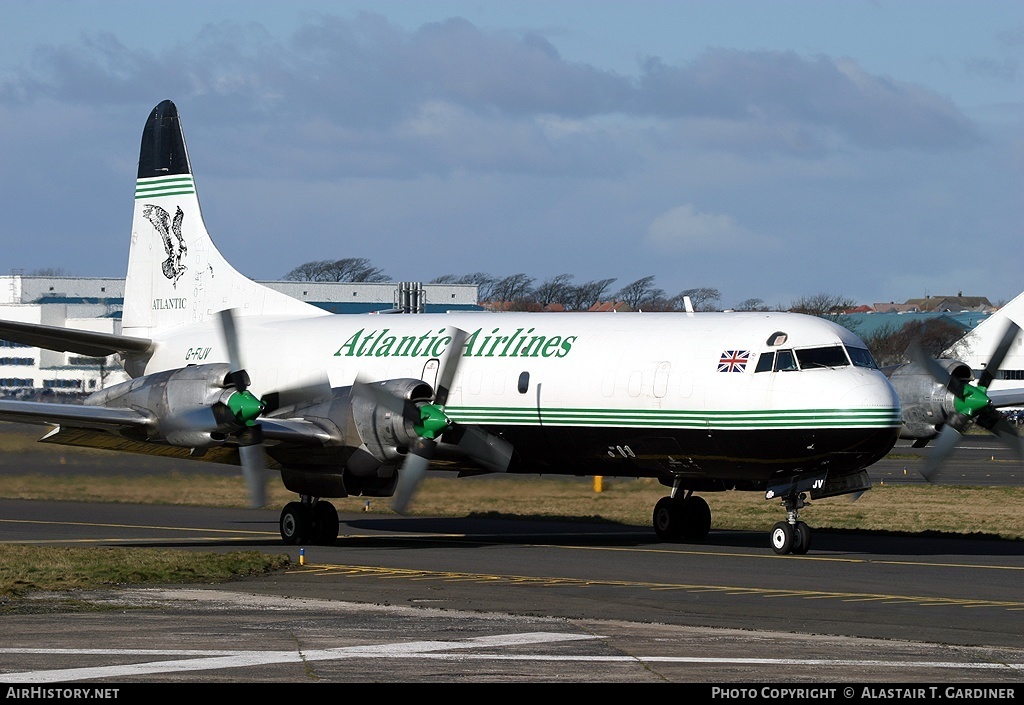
(83, 342)
(50, 413)
(1006, 397)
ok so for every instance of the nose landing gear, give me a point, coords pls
(792, 535)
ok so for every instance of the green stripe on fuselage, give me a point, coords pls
(646, 418)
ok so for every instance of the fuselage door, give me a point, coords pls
(661, 378)
(430, 372)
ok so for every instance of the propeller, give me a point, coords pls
(246, 408)
(971, 403)
(430, 422)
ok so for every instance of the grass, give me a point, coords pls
(30, 569)
(910, 508)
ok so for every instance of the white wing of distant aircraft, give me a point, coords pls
(226, 370)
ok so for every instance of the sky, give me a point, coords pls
(866, 149)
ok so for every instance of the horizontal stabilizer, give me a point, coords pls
(83, 342)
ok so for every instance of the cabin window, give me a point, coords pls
(785, 361)
(524, 382)
(829, 356)
(777, 338)
(862, 358)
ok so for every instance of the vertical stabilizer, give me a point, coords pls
(976, 348)
(176, 276)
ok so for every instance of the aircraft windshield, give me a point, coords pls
(862, 358)
(831, 356)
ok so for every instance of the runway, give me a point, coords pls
(476, 600)
(422, 600)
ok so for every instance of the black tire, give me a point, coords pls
(801, 538)
(782, 538)
(295, 524)
(325, 524)
(696, 519)
(668, 519)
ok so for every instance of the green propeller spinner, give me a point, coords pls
(246, 407)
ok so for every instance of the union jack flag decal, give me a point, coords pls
(733, 361)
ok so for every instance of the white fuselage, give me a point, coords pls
(664, 390)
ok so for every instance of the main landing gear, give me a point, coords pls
(682, 516)
(792, 535)
(311, 520)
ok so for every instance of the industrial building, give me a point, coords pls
(95, 304)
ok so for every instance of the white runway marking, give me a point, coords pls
(202, 660)
(215, 660)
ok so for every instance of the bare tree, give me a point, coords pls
(513, 289)
(703, 299)
(484, 283)
(348, 269)
(353, 269)
(556, 290)
(890, 343)
(582, 296)
(752, 305)
(307, 271)
(636, 293)
(822, 305)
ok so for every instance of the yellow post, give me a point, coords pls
(597, 483)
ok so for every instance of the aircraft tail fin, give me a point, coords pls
(176, 275)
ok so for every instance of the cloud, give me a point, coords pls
(684, 229)
(757, 87)
(368, 74)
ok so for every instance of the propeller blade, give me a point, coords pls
(941, 450)
(312, 392)
(227, 324)
(939, 373)
(449, 366)
(991, 420)
(412, 472)
(491, 451)
(382, 397)
(254, 470)
(996, 361)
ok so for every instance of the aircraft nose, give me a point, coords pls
(874, 392)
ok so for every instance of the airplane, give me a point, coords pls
(943, 398)
(226, 370)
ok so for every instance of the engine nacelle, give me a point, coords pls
(387, 433)
(927, 404)
(372, 437)
(188, 406)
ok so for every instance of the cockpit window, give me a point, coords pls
(862, 358)
(784, 361)
(811, 358)
(831, 356)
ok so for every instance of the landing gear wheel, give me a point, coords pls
(296, 523)
(668, 519)
(782, 537)
(696, 519)
(325, 524)
(801, 538)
